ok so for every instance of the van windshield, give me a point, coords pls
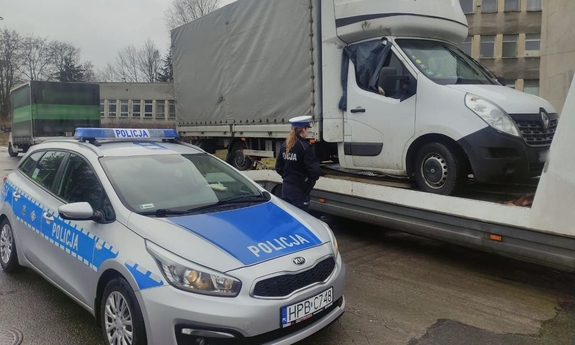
(444, 63)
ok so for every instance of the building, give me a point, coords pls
(557, 50)
(137, 104)
(505, 36)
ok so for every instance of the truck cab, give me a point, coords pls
(415, 105)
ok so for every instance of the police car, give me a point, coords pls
(166, 244)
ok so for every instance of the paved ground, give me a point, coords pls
(401, 290)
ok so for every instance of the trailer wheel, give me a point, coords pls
(440, 169)
(11, 151)
(237, 159)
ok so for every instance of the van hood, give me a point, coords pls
(511, 100)
(232, 239)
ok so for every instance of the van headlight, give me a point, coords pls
(492, 114)
(191, 277)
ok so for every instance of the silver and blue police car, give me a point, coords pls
(166, 244)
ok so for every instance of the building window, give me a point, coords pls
(531, 86)
(509, 46)
(533, 5)
(124, 108)
(112, 108)
(489, 6)
(512, 5)
(160, 110)
(172, 110)
(148, 108)
(487, 46)
(532, 44)
(467, 6)
(466, 45)
(102, 108)
(136, 108)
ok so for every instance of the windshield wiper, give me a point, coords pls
(160, 213)
(235, 200)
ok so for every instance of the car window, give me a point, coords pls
(79, 183)
(149, 183)
(30, 162)
(46, 169)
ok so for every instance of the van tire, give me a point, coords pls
(11, 151)
(237, 159)
(440, 169)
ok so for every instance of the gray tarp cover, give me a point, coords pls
(248, 61)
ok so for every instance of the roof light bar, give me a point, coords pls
(125, 133)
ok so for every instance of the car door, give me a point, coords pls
(31, 185)
(74, 242)
(379, 126)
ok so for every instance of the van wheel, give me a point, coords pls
(237, 159)
(440, 169)
(120, 315)
(11, 151)
(8, 254)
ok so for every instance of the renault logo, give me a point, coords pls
(544, 119)
(299, 261)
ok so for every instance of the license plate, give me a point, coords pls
(301, 311)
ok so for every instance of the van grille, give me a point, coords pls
(532, 130)
(286, 284)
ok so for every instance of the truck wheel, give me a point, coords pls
(440, 169)
(8, 255)
(11, 151)
(237, 159)
(121, 316)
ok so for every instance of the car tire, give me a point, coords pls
(11, 151)
(440, 169)
(8, 253)
(120, 314)
(237, 159)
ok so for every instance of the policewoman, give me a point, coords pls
(297, 164)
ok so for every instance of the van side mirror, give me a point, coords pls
(501, 80)
(391, 83)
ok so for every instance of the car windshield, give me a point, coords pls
(175, 183)
(444, 63)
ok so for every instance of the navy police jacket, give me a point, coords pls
(299, 167)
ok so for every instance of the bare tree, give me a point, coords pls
(10, 53)
(134, 65)
(35, 59)
(184, 11)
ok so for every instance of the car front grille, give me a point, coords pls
(284, 285)
(532, 130)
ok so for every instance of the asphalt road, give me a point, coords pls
(401, 290)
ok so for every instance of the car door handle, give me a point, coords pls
(48, 217)
(358, 110)
(16, 195)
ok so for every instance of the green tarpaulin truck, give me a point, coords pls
(43, 110)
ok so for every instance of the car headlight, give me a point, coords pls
(492, 114)
(192, 277)
(333, 239)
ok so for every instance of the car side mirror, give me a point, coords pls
(79, 211)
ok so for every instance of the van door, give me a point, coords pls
(381, 124)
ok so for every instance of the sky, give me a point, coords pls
(100, 28)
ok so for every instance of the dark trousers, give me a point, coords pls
(296, 196)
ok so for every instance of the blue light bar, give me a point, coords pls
(125, 133)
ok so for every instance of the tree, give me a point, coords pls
(167, 72)
(134, 65)
(10, 54)
(35, 62)
(149, 61)
(184, 11)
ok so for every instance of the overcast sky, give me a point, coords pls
(99, 27)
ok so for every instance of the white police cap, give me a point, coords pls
(301, 121)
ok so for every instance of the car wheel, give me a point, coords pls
(440, 169)
(11, 151)
(8, 255)
(237, 159)
(121, 316)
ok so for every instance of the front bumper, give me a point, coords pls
(499, 158)
(169, 313)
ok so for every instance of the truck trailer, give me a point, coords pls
(387, 87)
(43, 110)
(542, 233)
